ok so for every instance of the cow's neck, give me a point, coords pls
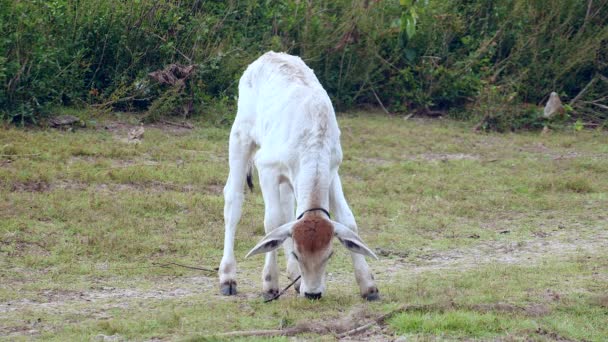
(313, 183)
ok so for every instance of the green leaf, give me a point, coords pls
(410, 54)
(405, 3)
(410, 26)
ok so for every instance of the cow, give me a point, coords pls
(286, 126)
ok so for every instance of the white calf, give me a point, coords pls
(285, 122)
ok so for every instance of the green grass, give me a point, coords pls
(458, 323)
(557, 297)
(494, 236)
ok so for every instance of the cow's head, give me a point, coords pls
(312, 247)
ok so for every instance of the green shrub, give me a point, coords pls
(407, 55)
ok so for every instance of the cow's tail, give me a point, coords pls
(249, 175)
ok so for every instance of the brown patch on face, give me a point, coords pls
(312, 234)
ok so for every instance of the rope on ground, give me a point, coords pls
(284, 290)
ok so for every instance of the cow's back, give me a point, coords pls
(282, 100)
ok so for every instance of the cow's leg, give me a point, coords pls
(240, 148)
(288, 210)
(344, 215)
(273, 218)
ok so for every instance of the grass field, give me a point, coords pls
(482, 236)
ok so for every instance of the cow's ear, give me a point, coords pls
(351, 240)
(273, 240)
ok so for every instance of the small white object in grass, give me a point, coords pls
(136, 134)
(553, 106)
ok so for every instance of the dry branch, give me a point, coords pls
(582, 92)
(381, 319)
(184, 266)
(380, 102)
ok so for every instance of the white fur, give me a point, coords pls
(286, 123)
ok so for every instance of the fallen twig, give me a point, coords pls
(308, 328)
(380, 320)
(284, 290)
(185, 266)
(165, 265)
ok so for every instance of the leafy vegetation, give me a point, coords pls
(500, 236)
(491, 61)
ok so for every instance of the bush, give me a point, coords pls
(408, 55)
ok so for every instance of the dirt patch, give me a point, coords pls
(430, 157)
(173, 128)
(115, 126)
(156, 187)
(446, 156)
(107, 297)
(537, 310)
(375, 333)
(121, 128)
(121, 131)
(19, 247)
(376, 161)
(215, 189)
(540, 149)
(385, 252)
(69, 185)
(558, 245)
(601, 301)
(495, 307)
(443, 157)
(31, 186)
(120, 163)
(552, 336)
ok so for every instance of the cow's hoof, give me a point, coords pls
(372, 294)
(228, 288)
(296, 285)
(270, 294)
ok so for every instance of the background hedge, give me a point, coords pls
(491, 60)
